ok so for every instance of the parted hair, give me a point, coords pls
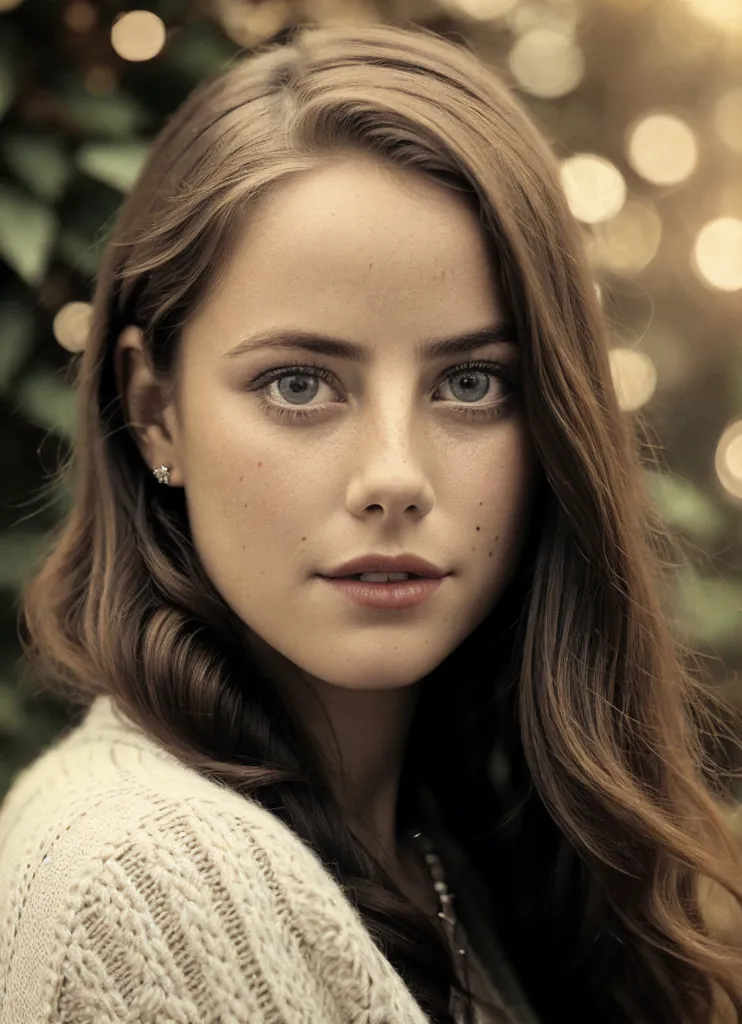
(566, 741)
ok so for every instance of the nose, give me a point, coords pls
(390, 470)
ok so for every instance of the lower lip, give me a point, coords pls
(406, 594)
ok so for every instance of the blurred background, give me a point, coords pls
(641, 101)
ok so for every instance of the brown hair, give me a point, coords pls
(601, 819)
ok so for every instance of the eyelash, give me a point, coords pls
(490, 411)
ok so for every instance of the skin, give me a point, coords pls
(387, 259)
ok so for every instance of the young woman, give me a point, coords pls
(345, 325)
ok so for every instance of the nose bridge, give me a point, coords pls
(389, 465)
(391, 424)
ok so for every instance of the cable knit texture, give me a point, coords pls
(132, 889)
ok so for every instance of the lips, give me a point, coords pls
(357, 576)
(413, 565)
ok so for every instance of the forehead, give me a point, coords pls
(356, 246)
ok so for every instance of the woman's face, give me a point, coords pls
(387, 461)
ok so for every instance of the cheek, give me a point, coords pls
(501, 509)
(234, 469)
(249, 504)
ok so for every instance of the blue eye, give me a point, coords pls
(477, 368)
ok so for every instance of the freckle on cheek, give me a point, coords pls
(260, 464)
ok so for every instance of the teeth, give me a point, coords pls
(384, 577)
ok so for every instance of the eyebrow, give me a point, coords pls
(327, 345)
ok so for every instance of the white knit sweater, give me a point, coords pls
(135, 891)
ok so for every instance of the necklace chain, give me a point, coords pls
(445, 896)
(447, 913)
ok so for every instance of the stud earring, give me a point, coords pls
(162, 473)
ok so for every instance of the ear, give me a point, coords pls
(148, 408)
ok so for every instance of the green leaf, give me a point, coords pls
(49, 402)
(117, 164)
(112, 115)
(78, 252)
(198, 52)
(8, 63)
(686, 507)
(168, 10)
(27, 230)
(16, 338)
(12, 714)
(19, 552)
(7, 87)
(40, 162)
(709, 609)
(88, 224)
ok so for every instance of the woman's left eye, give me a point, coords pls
(476, 372)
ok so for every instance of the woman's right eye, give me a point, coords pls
(470, 370)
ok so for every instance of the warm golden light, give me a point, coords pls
(482, 9)
(725, 15)
(9, 5)
(138, 35)
(717, 254)
(80, 16)
(562, 16)
(72, 324)
(728, 459)
(728, 118)
(547, 62)
(662, 149)
(628, 242)
(595, 188)
(629, 5)
(634, 377)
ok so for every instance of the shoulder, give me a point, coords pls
(105, 788)
(105, 781)
(117, 862)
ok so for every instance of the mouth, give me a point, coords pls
(381, 577)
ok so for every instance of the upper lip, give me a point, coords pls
(388, 563)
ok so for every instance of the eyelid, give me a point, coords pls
(508, 368)
(507, 375)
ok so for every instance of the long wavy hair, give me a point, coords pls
(576, 778)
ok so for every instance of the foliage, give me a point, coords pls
(76, 121)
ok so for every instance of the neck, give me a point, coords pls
(362, 736)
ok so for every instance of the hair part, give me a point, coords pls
(601, 826)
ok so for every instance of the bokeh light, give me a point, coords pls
(595, 188)
(728, 459)
(547, 62)
(72, 324)
(634, 377)
(662, 149)
(725, 15)
(562, 16)
(138, 35)
(9, 5)
(628, 242)
(482, 10)
(80, 16)
(717, 254)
